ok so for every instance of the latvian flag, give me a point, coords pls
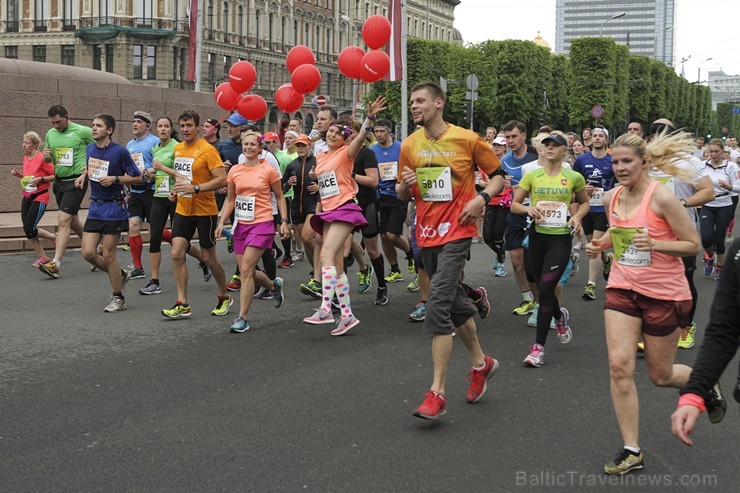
(393, 48)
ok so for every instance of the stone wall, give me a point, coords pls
(25, 100)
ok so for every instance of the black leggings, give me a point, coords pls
(549, 255)
(714, 224)
(31, 213)
(494, 225)
(162, 209)
(689, 264)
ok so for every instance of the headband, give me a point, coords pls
(345, 130)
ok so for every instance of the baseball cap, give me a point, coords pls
(215, 123)
(303, 139)
(143, 116)
(555, 139)
(271, 136)
(237, 119)
(499, 141)
(602, 130)
(660, 125)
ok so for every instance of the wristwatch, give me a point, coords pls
(683, 202)
(118, 179)
(196, 188)
(485, 196)
(284, 219)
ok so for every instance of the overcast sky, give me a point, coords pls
(703, 28)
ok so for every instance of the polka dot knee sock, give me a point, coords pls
(328, 286)
(343, 295)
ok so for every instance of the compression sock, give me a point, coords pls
(342, 289)
(379, 268)
(137, 245)
(328, 286)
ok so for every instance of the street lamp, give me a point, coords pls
(698, 75)
(615, 16)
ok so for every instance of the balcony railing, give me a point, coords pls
(40, 26)
(12, 26)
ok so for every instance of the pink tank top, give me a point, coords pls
(651, 274)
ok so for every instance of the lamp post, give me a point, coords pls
(615, 16)
(698, 75)
(660, 33)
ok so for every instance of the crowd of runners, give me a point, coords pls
(637, 209)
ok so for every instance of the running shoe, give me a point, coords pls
(708, 266)
(263, 294)
(365, 281)
(483, 306)
(230, 244)
(151, 288)
(494, 264)
(411, 267)
(39, 261)
(717, 272)
(589, 292)
(565, 335)
(536, 356)
(686, 341)
(319, 317)
(278, 296)
(286, 263)
(277, 253)
(525, 308)
(240, 325)
(117, 304)
(478, 379)
(419, 313)
(716, 406)
(137, 273)
(207, 273)
(298, 255)
(432, 407)
(235, 284)
(532, 320)
(125, 277)
(177, 311)
(574, 259)
(345, 325)
(607, 266)
(311, 288)
(641, 346)
(625, 462)
(50, 269)
(381, 297)
(501, 270)
(394, 277)
(223, 305)
(728, 238)
(126, 247)
(413, 285)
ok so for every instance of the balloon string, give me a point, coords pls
(220, 121)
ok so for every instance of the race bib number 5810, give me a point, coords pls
(435, 184)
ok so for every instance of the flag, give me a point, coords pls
(192, 39)
(395, 44)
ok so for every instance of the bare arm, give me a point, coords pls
(375, 107)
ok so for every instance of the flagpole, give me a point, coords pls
(198, 47)
(404, 77)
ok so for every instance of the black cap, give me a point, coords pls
(555, 138)
(215, 123)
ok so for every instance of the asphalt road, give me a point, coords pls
(92, 401)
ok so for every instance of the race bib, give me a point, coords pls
(668, 181)
(244, 208)
(388, 171)
(554, 214)
(183, 166)
(328, 185)
(26, 184)
(138, 159)
(97, 169)
(162, 184)
(597, 197)
(64, 156)
(624, 249)
(435, 184)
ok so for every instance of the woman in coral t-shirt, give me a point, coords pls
(249, 185)
(338, 216)
(35, 194)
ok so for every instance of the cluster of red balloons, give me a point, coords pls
(372, 66)
(230, 95)
(304, 78)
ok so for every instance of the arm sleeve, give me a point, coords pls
(722, 335)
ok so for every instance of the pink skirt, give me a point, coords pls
(347, 213)
(258, 235)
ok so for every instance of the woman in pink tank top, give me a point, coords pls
(647, 295)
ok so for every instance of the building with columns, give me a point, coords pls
(146, 41)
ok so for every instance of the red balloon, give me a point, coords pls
(374, 66)
(306, 78)
(288, 99)
(376, 31)
(226, 97)
(299, 55)
(350, 60)
(252, 107)
(242, 76)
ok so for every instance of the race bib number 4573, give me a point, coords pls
(435, 184)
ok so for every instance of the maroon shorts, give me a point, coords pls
(659, 317)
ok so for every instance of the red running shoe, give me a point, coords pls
(479, 379)
(433, 406)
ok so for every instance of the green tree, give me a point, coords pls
(639, 89)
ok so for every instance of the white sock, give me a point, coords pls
(527, 295)
(58, 262)
(636, 450)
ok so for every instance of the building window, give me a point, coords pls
(328, 42)
(69, 14)
(318, 39)
(39, 53)
(226, 22)
(137, 62)
(11, 52)
(211, 67)
(210, 19)
(105, 12)
(143, 11)
(270, 28)
(227, 65)
(240, 27)
(295, 33)
(257, 26)
(41, 14)
(151, 62)
(109, 58)
(97, 55)
(283, 33)
(68, 55)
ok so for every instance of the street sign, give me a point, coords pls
(471, 95)
(736, 110)
(472, 82)
(725, 130)
(443, 84)
(597, 111)
(320, 100)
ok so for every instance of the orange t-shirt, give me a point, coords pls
(334, 173)
(445, 168)
(253, 185)
(195, 162)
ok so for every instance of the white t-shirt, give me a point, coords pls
(681, 188)
(727, 172)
